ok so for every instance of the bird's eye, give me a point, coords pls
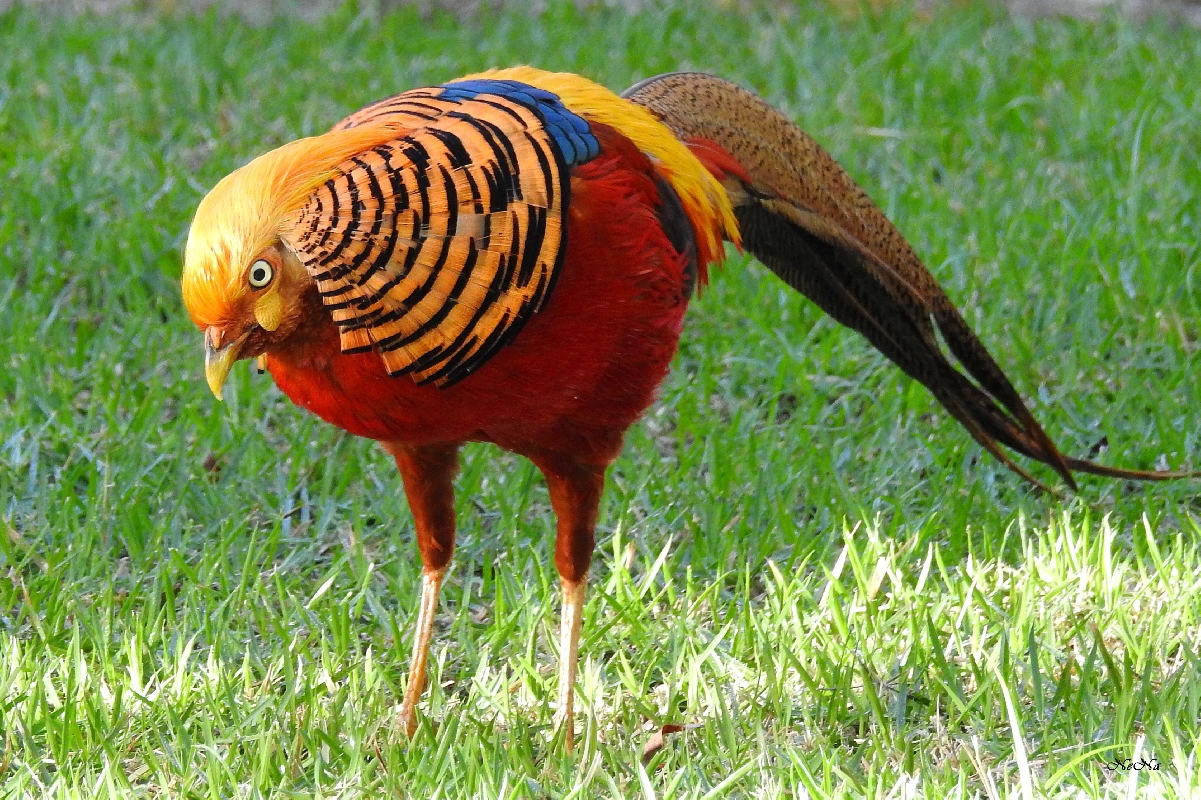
(261, 273)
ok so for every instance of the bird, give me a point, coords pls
(508, 257)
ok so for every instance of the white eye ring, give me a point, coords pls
(261, 273)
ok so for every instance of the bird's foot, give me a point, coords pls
(405, 724)
(566, 724)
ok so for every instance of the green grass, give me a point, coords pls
(801, 557)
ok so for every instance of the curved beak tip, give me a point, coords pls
(215, 384)
(218, 361)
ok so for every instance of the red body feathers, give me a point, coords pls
(581, 371)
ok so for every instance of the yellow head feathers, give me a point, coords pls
(247, 211)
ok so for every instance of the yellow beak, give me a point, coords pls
(218, 359)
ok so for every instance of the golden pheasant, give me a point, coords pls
(508, 257)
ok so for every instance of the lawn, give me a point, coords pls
(801, 559)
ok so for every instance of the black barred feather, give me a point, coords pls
(437, 246)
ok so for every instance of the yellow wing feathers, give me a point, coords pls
(704, 199)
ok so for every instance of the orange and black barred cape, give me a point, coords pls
(434, 248)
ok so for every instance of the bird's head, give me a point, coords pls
(243, 284)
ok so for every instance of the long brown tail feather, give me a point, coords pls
(805, 218)
(1091, 467)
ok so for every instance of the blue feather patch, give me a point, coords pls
(570, 132)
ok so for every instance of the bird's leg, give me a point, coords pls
(575, 492)
(431, 584)
(570, 623)
(428, 473)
